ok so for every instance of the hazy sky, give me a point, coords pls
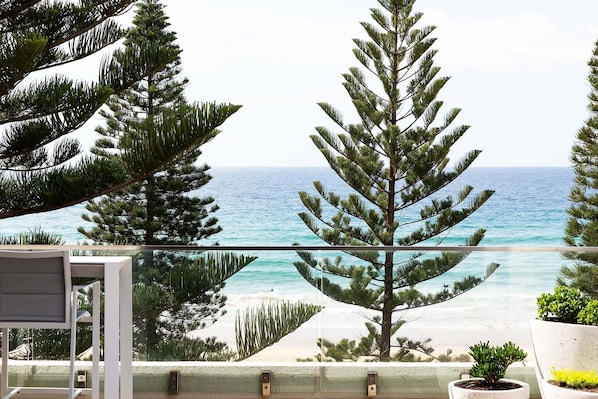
(518, 70)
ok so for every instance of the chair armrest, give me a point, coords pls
(90, 284)
(83, 315)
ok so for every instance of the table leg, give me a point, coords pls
(5, 340)
(111, 331)
(126, 332)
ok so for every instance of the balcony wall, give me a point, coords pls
(217, 380)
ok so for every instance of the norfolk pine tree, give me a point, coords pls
(582, 226)
(394, 160)
(174, 293)
(42, 165)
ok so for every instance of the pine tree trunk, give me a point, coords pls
(386, 327)
(387, 308)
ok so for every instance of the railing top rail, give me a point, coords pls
(253, 248)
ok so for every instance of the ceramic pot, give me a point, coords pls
(550, 391)
(563, 345)
(456, 392)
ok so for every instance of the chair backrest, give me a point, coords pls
(35, 289)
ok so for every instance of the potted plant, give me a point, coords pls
(489, 369)
(564, 335)
(571, 384)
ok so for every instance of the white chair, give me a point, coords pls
(36, 292)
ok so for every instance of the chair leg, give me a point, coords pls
(95, 338)
(5, 348)
(12, 393)
(73, 349)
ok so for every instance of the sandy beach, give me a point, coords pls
(454, 325)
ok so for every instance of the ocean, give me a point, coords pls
(259, 206)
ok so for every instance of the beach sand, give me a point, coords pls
(455, 325)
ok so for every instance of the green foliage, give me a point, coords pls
(409, 351)
(42, 165)
(260, 327)
(178, 294)
(174, 293)
(449, 357)
(192, 349)
(582, 275)
(575, 379)
(491, 362)
(32, 237)
(342, 351)
(563, 305)
(404, 349)
(395, 161)
(582, 226)
(589, 314)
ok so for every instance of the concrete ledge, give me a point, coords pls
(288, 380)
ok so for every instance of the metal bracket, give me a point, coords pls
(173, 382)
(266, 383)
(372, 384)
(81, 381)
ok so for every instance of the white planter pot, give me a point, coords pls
(550, 391)
(563, 345)
(456, 392)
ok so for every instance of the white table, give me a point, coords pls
(118, 318)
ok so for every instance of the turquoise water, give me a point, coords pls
(259, 206)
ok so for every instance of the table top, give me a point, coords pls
(94, 266)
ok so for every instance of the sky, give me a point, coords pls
(518, 70)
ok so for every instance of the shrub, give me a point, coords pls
(563, 305)
(491, 362)
(575, 378)
(589, 314)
